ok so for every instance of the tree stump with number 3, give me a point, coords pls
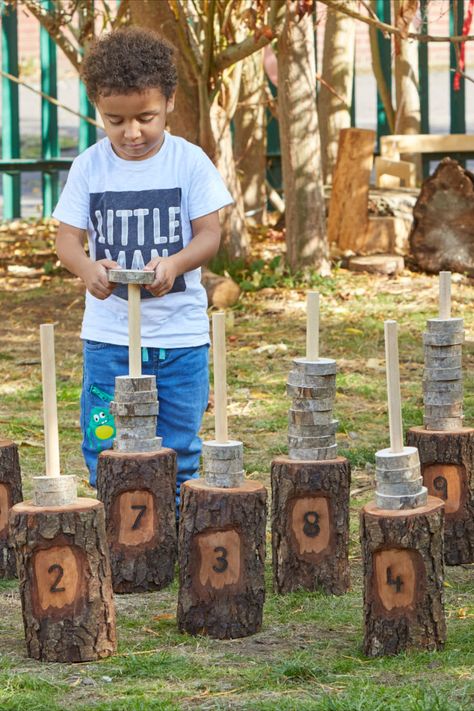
(65, 581)
(310, 525)
(138, 491)
(221, 557)
(402, 554)
(10, 494)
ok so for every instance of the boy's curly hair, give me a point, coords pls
(127, 60)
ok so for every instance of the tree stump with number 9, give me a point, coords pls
(402, 554)
(65, 581)
(221, 557)
(10, 494)
(138, 492)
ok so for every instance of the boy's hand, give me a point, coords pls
(96, 280)
(165, 274)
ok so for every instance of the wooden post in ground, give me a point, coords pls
(310, 487)
(136, 481)
(402, 542)
(61, 552)
(445, 445)
(222, 531)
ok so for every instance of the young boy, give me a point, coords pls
(150, 200)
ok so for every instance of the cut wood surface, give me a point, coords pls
(65, 581)
(10, 494)
(402, 555)
(447, 467)
(138, 491)
(310, 525)
(221, 559)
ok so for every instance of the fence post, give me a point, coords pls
(87, 131)
(385, 49)
(458, 98)
(423, 83)
(49, 115)
(10, 112)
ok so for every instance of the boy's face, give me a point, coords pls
(135, 123)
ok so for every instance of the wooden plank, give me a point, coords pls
(426, 143)
(397, 170)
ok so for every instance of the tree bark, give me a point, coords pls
(138, 492)
(447, 466)
(10, 494)
(221, 559)
(250, 139)
(65, 581)
(310, 525)
(338, 71)
(402, 555)
(305, 219)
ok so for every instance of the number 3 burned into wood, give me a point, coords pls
(222, 560)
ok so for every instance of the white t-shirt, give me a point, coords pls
(134, 211)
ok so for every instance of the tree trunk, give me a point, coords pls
(402, 555)
(10, 494)
(334, 112)
(65, 581)
(447, 466)
(138, 491)
(305, 218)
(221, 559)
(310, 525)
(250, 138)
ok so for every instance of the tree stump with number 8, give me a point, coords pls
(65, 581)
(10, 494)
(310, 525)
(138, 491)
(447, 468)
(402, 554)
(221, 559)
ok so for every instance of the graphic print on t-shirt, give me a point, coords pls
(133, 227)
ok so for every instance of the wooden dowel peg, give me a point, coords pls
(312, 326)
(393, 386)
(220, 377)
(50, 411)
(445, 295)
(134, 331)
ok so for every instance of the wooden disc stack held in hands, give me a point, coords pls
(402, 542)
(222, 531)
(310, 488)
(446, 447)
(62, 554)
(10, 494)
(136, 481)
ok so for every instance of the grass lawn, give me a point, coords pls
(308, 654)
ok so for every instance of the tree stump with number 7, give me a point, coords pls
(221, 559)
(138, 493)
(402, 555)
(65, 582)
(10, 494)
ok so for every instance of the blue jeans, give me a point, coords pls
(182, 377)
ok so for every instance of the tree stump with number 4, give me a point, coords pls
(310, 525)
(10, 494)
(447, 467)
(402, 553)
(138, 492)
(65, 581)
(221, 556)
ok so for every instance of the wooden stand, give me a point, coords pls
(310, 525)
(138, 492)
(221, 559)
(447, 467)
(65, 581)
(10, 494)
(402, 554)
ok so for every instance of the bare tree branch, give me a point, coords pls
(50, 23)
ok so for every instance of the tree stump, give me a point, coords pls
(138, 492)
(402, 553)
(441, 236)
(310, 525)
(447, 467)
(221, 559)
(10, 494)
(65, 581)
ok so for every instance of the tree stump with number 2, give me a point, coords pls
(221, 556)
(138, 491)
(65, 581)
(10, 494)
